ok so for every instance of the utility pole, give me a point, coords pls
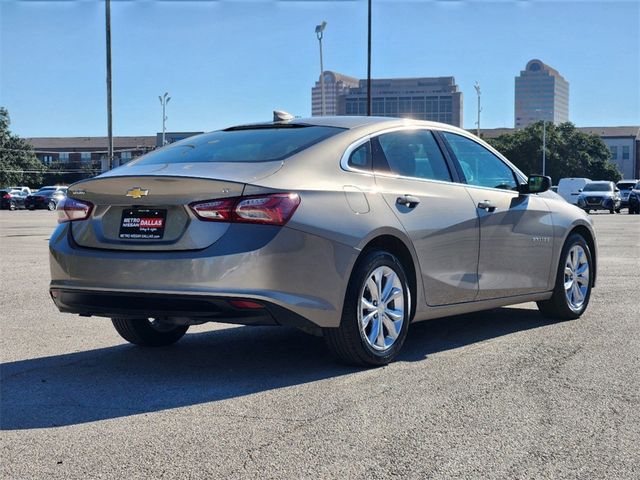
(164, 99)
(109, 113)
(369, 61)
(477, 87)
(319, 32)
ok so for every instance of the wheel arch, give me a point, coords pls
(397, 247)
(589, 237)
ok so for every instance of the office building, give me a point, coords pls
(438, 98)
(335, 84)
(541, 93)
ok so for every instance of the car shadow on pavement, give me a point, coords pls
(123, 380)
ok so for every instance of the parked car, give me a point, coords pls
(23, 190)
(347, 227)
(634, 199)
(625, 187)
(570, 188)
(11, 199)
(600, 196)
(46, 197)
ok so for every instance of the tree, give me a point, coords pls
(18, 163)
(569, 152)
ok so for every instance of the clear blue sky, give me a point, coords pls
(229, 62)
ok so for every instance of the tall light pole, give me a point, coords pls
(164, 99)
(319, 32)
(107, 6)
(544, 141)
(477, 87)
(369, 59)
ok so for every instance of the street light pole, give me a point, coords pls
(477, 87)
(164, 99)
(369, 60)
(109, 113)
(319, 33)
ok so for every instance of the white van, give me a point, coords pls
(570, 188)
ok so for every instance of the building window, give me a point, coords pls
(85, 156)
(625, 152)
(125, 157)
(63, 156)
(47, 159)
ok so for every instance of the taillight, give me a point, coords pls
(70, 210)
(6, 196)
(273, 209)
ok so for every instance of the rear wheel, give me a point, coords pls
(573, 281)
(376, 313)
(12, 206)
(148, 333)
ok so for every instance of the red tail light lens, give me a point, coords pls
(274, 209)
(70, 210)
(6, 196)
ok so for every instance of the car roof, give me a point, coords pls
(352, 122)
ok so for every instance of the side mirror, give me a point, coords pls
(535, 184)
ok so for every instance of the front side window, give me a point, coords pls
(479, 165)
(414, 153)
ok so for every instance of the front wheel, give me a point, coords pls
(12, 206)
(376, 313)
(148, 333)
(51, 206)
(573, 281)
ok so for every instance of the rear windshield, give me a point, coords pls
(257, 144)
(598, 187)
(626, 185)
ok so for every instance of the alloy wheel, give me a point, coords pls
(381, 311)
(576, 277)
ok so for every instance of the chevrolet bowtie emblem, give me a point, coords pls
(137, 192)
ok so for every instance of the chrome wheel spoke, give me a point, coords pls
(391, 327)
(367, 319)
(394, 315)
(388, 288)
(366, 304)
(373, 289)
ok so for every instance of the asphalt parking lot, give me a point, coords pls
(499, 394)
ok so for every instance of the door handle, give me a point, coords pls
(486, 205)
(408, 201)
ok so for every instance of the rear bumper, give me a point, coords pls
(196, 308)
(285, 269)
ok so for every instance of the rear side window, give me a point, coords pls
(414, 153)
(479, 165)
(361, 157)
(243, 144)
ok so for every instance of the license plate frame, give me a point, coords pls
(142, 224)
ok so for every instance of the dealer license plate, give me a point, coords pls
(142, 224)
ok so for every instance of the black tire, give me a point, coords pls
(557, 307)
(12, 206)
(143, 332)
(51, 206)
(611, 211)
(347, 342)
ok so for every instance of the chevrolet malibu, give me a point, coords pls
(346, 227)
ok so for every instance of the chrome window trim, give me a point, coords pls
(344, 161)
